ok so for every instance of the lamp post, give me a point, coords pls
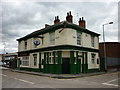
(105, 45)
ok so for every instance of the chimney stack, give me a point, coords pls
(82, 23)
(56, 21)
(69, 17)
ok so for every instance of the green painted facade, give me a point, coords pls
(81, 65)
(52, 68)
(30, 69)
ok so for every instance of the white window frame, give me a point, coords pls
(35, 60)
(51, 57)
(52, 38)
(56, 58)
(93, 57)
(79, 38)
(25, 61)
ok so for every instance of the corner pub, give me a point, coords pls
(61, 48)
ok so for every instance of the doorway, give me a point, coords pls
(66, 66)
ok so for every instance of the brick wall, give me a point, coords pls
(112, 49)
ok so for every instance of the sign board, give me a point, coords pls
(37, 42)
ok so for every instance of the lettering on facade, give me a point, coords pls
(23, 54)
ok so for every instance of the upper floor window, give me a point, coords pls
(25, 44)
(52, 38)
(92, 41)
(79, 38)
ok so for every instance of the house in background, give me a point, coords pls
(112, 55)
(1, 57)
(11, 59)
(61, 48)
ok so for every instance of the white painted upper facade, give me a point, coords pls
(67, 36)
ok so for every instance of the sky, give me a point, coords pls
(19, 18)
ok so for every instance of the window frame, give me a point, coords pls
(51, 58)
(25, 60)
(93, 58)
(79, 38)
(92, 41)
(97, 60)
(52, 38)
(34, 59)
(25, 43)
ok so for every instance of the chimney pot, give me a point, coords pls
(70, 12)
(57, 17)
(82, 19)
(56, 21)
(67, 14)
(82, 23)
(69, 17)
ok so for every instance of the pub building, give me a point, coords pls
(61, 48)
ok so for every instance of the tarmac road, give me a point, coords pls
(21, 80)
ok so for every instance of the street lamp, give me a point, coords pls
(105, 45)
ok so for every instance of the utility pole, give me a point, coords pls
(105, 58)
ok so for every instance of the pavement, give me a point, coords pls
(62, 76)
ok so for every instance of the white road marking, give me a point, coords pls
(4, 75)
(23, 80)
(113, 80)
(18, 79)
(108, 83)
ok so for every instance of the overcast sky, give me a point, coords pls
(22, 18)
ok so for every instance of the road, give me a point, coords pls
(20, 80)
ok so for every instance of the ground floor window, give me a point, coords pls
(35, 60)
(75, 58)
(56, 58)
(25, 61)
(97, 61)
(51, 57)
(42, 62)
(93, 58)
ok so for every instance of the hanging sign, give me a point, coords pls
(37, 42)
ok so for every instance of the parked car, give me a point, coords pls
(2, 64)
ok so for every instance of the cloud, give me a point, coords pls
(22, 18)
